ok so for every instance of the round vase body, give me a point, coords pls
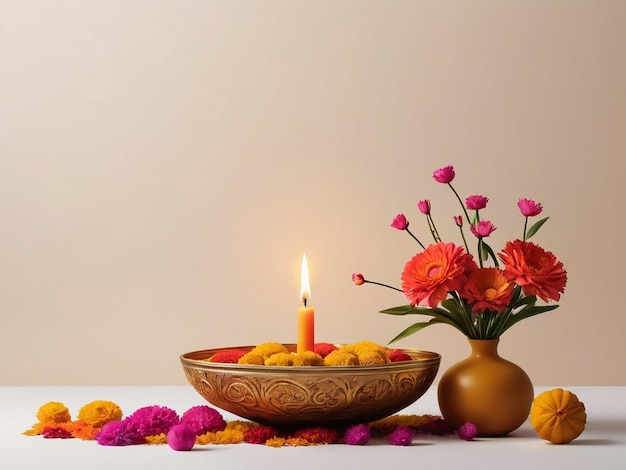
(486, 390)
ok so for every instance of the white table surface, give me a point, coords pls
(601, 446)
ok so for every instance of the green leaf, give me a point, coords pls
(489, 252)
(414, 328)
(536, 226)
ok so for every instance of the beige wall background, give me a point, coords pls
(165, 164)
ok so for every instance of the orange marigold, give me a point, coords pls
(538, 271)
(431, 274)
(99, 412)
(487, 289)
(53, 412)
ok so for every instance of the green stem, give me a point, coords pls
(433, 229)
(464, 240)
(461, 202)
(525, 225)
(383, 285)
(414, 237)
(480, 252)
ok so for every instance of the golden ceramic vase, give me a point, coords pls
(487, 390)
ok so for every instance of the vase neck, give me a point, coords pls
(484, 347)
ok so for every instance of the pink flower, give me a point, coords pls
(120, 433)
(444, 175)
(358, 279)
(476, 202)
(181, 437)
(529, 208)
(154, 420)
(400, 222)
(482, 229)
(458, 220)
(358, 435)
(202, 419)
(424, 206)
(401, 436)
(467, 431)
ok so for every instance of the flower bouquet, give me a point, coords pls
(445, 282)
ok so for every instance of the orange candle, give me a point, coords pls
(306, 314)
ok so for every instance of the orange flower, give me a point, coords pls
(431, 274)
(538, 271)
(487, 289)
(99, 412)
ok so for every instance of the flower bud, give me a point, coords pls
(358, 279)
(424, 206)
(458, 220)
(444, 175)
(482, 229)
(529, 208)
(400, 222)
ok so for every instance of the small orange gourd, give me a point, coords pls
(558, 416)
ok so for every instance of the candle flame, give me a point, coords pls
(305, 288)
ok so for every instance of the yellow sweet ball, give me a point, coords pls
(558, 416)
(279, 359)
(268, 349)
(341, 358)
(251, 359)
(308, 358)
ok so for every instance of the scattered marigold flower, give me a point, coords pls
(431, 274)
(99, 412)
(159, 439)
(295, 442)
(402, 436)
(396, 355)
(458, 220)
(424, 206)
(227, 436)
(181, 437)
(467, 431)
(203, 418)
(476, 202)
(56, 432)
(324, 349)
(358, 435)
(487, 289)
(82, 430)
(482, 229)
(538, 271)
(358, 279)
(400, 222)
(444, 175)
(318, 435)
(260, 434)
(529, 208)
(228, 356)
(120, 433)
(53, 412)
(276, 442)
(152, 420)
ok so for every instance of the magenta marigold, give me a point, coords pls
(487, 289)
(538, 271)
(482, 229)
(529, 208)
(431, 274)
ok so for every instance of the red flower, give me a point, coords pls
(400, 222)
(444, 175)
(458, 220)
(487, 289)
(539, 272)
(431, 274)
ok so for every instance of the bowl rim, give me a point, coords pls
(197, 360)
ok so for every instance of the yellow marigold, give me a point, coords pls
(157, 439)
(240, 425)
(269, 349)
(308, 358)
(364, 346)
(280, 359)
(298, 441)
(53, 412)
(252, 359)
(227, 436)
(372, 357)
(341, 358)
(276, 442)
(99, 412)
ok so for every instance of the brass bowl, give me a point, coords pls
(311, 395)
